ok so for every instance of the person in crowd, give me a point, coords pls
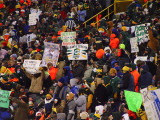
(145, 78)
(127, 80)
(135, 74)
(22, 110)
(70, 108)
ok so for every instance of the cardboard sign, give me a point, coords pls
(134, 47)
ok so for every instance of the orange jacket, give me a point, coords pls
(114, 42)
(136, 75)
(53, 72)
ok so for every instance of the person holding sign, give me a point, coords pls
(36, 81)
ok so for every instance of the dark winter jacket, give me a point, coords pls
(145, 78)
(78, 71)
(128, 82)
(99, 97)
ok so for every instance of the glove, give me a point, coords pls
(40, 68)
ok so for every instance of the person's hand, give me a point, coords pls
(23, 68)
(40, 68)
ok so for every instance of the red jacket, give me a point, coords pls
(114, 42)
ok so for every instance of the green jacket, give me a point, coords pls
(114, 83)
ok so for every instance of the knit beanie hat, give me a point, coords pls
(125, 68)
(49, 95)
(112, 36)
(133, 66)
(61, 80)
(124, 28)
(113, 70)
(122, 46)
(52, 88)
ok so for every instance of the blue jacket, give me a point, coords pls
(68, 74)
(131, 86)
(145, 78)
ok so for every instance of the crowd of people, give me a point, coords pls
(90, 89)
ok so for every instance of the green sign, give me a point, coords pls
(4, 101)
(133, 99)
(141, 32)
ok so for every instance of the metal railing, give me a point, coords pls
(109, 13)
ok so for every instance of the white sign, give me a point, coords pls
(32, 66)
(151, 101)
(51, 54)
(33, 19)
(68, 38)
(77, 52)
(134, 47)
(142, 58)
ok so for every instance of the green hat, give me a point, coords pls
(89, 80)
(122, 46)
(133, 66)
(52, 88)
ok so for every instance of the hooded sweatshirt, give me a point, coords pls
(114, 42)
